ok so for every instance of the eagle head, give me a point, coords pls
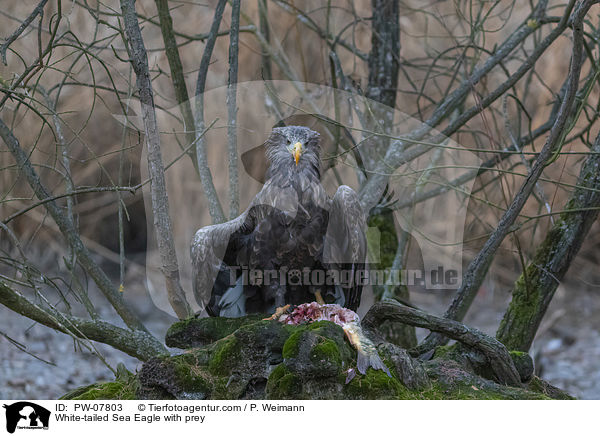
(293, 147)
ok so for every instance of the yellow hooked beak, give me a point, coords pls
(297, 151)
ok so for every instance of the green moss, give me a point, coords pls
(520, 315)
(291, 347)
(194, 332)
(439, 391)
(123, 388)
(326, 329)
(191, 377)
(388, 242)
(225, 355)
(115, 390)
(314, 356)
(278, 372)
(196, 356)
(271, 334)
(318, 350)
(326, 350)
(336, 334)
(376, 385)
(450, 381)
(283, 384)
(204, 373)
(325, 325)
(543, 387)
(445, 351)
(535, 287)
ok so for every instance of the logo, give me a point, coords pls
(26, 415)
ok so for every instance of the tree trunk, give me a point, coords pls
(384, 65)
(535, 288)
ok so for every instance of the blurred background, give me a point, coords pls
(88, 85)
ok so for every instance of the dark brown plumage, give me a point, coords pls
(291, 225)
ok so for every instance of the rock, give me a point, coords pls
(543, 387)
(197, 332)
(125, 387)
(524, 364)
(250, 358)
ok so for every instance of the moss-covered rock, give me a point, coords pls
(250, 358)
(125, 387)
(524, 364)
(283, 384)
(536, 384)
(318, 350)
(197, 332)
(450, 380)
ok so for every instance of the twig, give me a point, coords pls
(39, 9)
(177, 77)
(23, 349)
(52, 198)
(234, 38)
(214, 205)
(263, 20)
(121, 208)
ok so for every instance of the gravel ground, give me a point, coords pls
(567, 349)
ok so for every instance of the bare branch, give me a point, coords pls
(263, 19)
(12, 38)
(479, 266)
(160, 201)
(69, 194)
(496, 353)
(214, 206)
(535, 288)
(135, 343)
(234, 38)
(69, 232)
(404, 150)
(177, 77)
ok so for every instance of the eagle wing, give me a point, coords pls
(345, 245)
(208, 251)
(212, 244)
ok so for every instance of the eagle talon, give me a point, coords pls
(278, 312)
(319, 298)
